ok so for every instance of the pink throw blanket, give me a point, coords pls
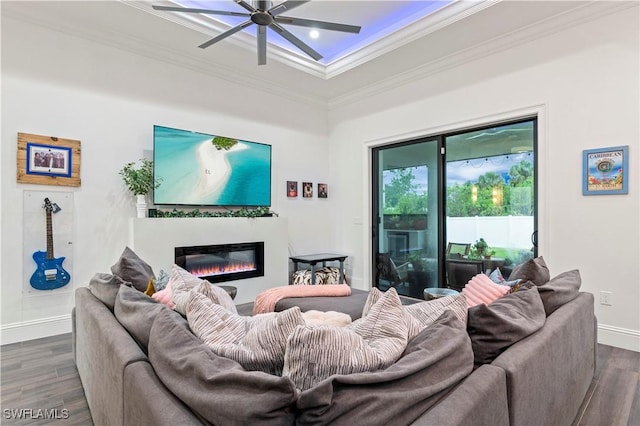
(266, 300)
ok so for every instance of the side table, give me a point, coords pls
(231, 291)
(314, 259)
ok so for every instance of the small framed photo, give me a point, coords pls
(292, 188)
(322, 190)
(48, 160)
(307, 189)
(605, 171)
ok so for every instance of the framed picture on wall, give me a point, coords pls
(605, 171)
(292, 188)
(48, 160)
(307, 189)
(322, 190)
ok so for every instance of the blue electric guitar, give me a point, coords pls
(50, 273)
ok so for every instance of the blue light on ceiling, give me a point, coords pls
(403, 13)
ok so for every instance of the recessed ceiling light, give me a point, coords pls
(314, 34)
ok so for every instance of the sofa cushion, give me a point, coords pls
(559, 290)
(130, 267)
(215, 387)
(480, 289)
(420, 315)
(534, 270)
(257, 343)
(105, 287)
(495, 327)
(136, 312)
(217, 295)
(433, 362)
(376, 341)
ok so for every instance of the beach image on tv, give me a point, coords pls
(199, 169)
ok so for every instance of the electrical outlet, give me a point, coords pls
(605, 298)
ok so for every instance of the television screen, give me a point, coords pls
(209, 170)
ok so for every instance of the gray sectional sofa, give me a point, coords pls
(540, 380)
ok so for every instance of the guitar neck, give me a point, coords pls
(49, 236)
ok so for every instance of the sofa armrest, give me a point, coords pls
(103, 350)
(553, 368)
(148, 402)
(479, 400)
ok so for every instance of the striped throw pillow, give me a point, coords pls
(217, 295)
(480, 289)
(419, 316)
(257, 343)
(368, 344)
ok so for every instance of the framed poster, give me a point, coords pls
(322, 190)
(292, 188)
(605, 171)
(48, 160)
(307, 189)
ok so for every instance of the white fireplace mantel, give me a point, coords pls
(154, 240)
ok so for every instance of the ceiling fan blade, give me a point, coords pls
(206, 11)
(300, 22)
(262, 45)
(226, 34)
(246, 5)
(285, 6)
(295, 41)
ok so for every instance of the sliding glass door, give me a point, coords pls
(490, 200)
(406, 206)
(450, 206)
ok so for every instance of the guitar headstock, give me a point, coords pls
(47, 205)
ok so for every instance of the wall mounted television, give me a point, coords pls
(197, 169)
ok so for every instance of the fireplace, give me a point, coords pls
(222, 262)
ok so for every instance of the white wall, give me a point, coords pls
(59, 85)
(583, 84)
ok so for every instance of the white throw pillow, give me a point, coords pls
(182, 282)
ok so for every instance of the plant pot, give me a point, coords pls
(141, 205)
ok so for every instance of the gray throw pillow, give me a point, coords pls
(136, 312)
(560, 290)
(105, 287)
(216, 388)
(133, 269)
(509, 319)
(534, 270)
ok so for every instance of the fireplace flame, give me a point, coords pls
(230, 268)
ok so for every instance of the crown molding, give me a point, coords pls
(582, 14)
(439, 19)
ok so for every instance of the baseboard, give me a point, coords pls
(619, 337)
(35, 329)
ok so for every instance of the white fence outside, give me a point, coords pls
(498, 231)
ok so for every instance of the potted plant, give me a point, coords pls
(481, 250)
(140, 182)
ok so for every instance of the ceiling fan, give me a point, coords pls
(265, 15)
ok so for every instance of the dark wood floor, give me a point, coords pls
(41, 375)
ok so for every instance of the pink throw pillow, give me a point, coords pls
(480, 289)
(165, 296)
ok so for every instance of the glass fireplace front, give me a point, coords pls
(222, 262)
